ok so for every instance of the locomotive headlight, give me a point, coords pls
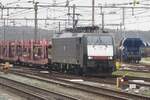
(90, 57)
(110, 58)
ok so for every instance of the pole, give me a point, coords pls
(1, 13)
(59, 26)
(35, 20)
(93, 12)
(23, 34)
(132, 11)
(102, 22)
(13, 22)
(4, 29)
(74, 17)
(123, 16)
(68, 15)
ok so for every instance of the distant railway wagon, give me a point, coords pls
(8, 50)
(33, 52)
(130, 49)
(83, 53)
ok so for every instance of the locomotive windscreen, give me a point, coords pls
(99, 40)
(133, 42)
(100, 46)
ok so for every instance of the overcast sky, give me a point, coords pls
(137, 19)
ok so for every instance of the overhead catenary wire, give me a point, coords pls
(136, 12)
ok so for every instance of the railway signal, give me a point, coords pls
(6, 67)
(121, 81)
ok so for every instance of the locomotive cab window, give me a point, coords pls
(99, 40)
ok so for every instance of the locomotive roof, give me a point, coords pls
(73, 35)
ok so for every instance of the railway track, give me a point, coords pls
(32, 92)
(98, 90)
(136, 71)
(136, 67)
(56, 75)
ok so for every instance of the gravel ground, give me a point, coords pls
(132, 74)
(6, 95)
(55, 88)
(145, 61)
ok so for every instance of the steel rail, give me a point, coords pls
(33, 91)
(91, 89)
